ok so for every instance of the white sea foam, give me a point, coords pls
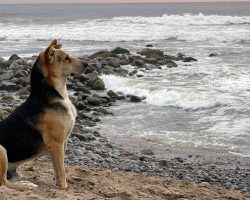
(160, 97)
(212, 28)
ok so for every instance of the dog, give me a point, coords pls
(42, 124)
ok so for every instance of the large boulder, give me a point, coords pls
(155, 53)
(94, 101)
(14, 58)
(96, 83)
(120, 50)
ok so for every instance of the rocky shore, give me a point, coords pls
(88, 147)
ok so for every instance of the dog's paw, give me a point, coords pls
(62, 186)
(28, 185)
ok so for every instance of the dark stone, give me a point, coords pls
(189, 59)
(147, 152)
(96, 83)
(138, 63)
(155, 53)
(150, 60)
(120, 50)
(80, 106)
(132, 73)
(135, 99)
(14, 58)
(93, 101)
(84, 137)
(115, 96)
(121, 71)
(213, 54)
(8, 86)
(149, 45)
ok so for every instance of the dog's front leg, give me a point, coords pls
(57, 156)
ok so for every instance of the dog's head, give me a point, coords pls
(57, 64)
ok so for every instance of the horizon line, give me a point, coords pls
(170, 1)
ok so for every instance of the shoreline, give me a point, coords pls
(88, 147)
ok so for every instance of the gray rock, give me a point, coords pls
(121, 71)
(150, 60)
(8, 86)
(104, 111)
(135, 99)
(172, 65)
(139, 63)
(6, 76)
(147, 152)
(21, 73)
(155, 53)
(14, 58)
(96, 83)
(80, 106)
(213, 54)
(120, 50)
(189, 59)
(84, 137)
(93, 101)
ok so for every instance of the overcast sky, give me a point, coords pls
(106, 1)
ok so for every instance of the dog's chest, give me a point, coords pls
(69, 117)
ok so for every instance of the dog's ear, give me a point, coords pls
(53, 43)
(58, 46)
(50, 51)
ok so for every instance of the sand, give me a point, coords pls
(93, 184)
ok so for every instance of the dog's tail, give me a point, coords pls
(3, 174)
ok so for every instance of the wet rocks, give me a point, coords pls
(6, 75)
(134, 98)
(120, 50)
(147, 152)
(101, 54)
(8, 86)
(96, 83)
(213, 54)
(94, 101)
(189, 59)
(155, 53)
(14, 58)
(115, 96)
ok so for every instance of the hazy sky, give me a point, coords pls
(107, 1)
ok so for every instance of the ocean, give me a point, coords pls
(202, 105)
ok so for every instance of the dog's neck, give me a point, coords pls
(61, 87)
(41, 89)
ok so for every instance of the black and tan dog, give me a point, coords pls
(43, 123)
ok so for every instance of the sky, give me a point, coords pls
(107, 1)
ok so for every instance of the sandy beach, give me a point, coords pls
(89, 184)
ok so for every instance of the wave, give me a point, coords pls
(190, 28)
(186, 100)
(188, 19)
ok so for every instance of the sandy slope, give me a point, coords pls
(90, 184)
